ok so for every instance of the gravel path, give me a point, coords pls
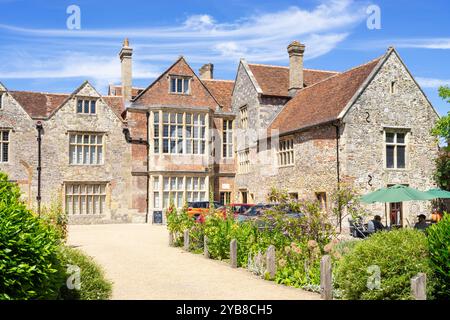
(137, 258)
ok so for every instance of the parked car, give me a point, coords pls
(258, 210)
(236, 208)
(200, 208)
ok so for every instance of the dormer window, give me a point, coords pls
(1, 100)
(179, 85)
(87, 106)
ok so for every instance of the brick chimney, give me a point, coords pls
(126, 65)
(206, 71)
(295, 51)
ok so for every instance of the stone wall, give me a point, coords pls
(23, 147)
(362, 142)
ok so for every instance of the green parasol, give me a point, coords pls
(439, 193)
(397, 193)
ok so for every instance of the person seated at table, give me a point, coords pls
(422, 224)
(375, 224)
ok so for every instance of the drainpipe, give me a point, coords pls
(338, 176)
(39, 128)
(129, 139)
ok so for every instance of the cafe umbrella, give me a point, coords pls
(397, 193)
(439, 193)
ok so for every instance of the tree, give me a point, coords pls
(442, 131)
(442, 127)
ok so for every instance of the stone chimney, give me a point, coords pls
(206, 71)
(126, 66)
(295, 51)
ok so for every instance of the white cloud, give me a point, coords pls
(432, 83)
(261, 37)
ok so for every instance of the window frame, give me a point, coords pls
(243, 117)
(2, 95)
(396, 144)
(88, 145)
(227, 141)
(184, 80)
(199, 123)
(83, 106)
(285, 152)
(2, 144)
(83, 191)
(244, 161)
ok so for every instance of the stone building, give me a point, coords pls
(368, 126)
(124, 156)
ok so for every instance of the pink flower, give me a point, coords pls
(312, 244)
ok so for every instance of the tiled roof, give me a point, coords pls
(116, 104)
(274, 80)
(323, 101)
(114, 90)
(222, 91)
(42, 104)
(39, 104)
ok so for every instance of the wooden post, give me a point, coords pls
(205, 247)
(326, 285)
(419, 287)
(233, 253)
(171, 239)
(186, 240)
(271, 261)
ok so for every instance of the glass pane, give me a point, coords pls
(79, 138)
(179, 199)
(156, 145)
(165, 146)
(155, 183)
(89, 205)
(166, 199)
(86, 106)
(156, 117)
(165, 117)
(72, 154)
(80, 106)
(180, 131)
(188, 118)
(173, 118)
(165, 131)
(93, 106)
(72, 138)
(99, 155)
(86, 139)
(93, 139)
(156, 199)
(180, 183)
(96, 207)
(173, 131)
(173, 184)
(99, 139)
(189, 183)
(390, 156)
(400, 138)
(401, 157)
(179, 85)
(390, 137)
(76, 209)
(172, 85)
(79, 155)
(166, 184)
(92, 155)
(186, 86)
(188, 131)
(172, 146)
(156, 130)
(179, 118)
(195, 183)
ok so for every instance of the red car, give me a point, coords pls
(237, 208)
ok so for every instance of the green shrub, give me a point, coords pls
(218, 231)
(55, 216)
(93, 285)
(400, 255)
(177, 222)
(29, 264)
(439, 247)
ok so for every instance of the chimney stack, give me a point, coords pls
(207, 71)
(295, 51)
(126, 66)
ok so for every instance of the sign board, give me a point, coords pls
(226, 186)
(157, 217)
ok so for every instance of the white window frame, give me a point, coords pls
(395, 144)
(2, 145)
(83, 105)
(285, 152)
(243, 117)
(88, 199)
(190, 133)
(227, 139)
(244, 161)
(75, 145)
(180, 189)
(184, 80)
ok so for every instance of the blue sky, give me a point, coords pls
(40, 53)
